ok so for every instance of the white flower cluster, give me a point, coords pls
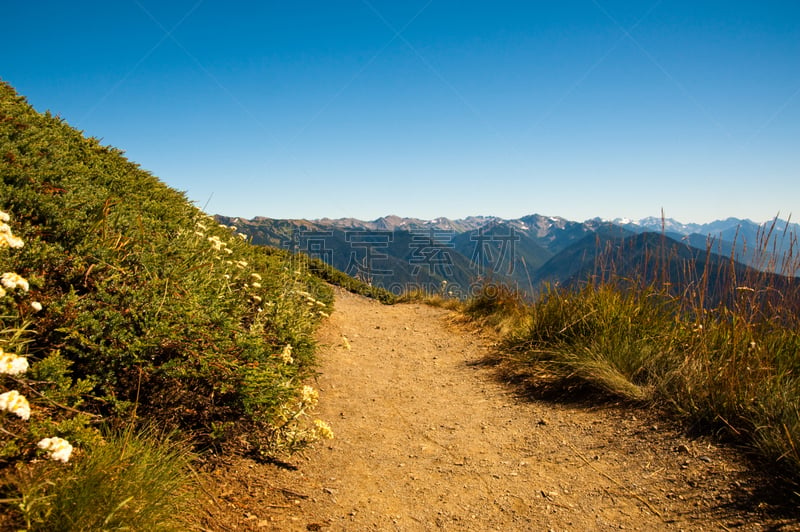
(309, 396)
(315, 304)
(11, 364)
(59, 448)
(15, 403)
(11, 281)
(7, 238)
(220, 244)
(286, 354)
(323, 430)
(216, 242)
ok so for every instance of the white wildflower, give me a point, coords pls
(15, 242)
(286, 354)
(4, 217)
(13, 280)
(7, 240)
(257, 299)
(36, 306)
(256, 285)
(59, 448)
(255, 276)
(310, 396)
(11, 364)
(242, 236)
(324, 430)
(15, 403)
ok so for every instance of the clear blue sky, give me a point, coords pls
(426, 108)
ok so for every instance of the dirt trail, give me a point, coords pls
(428, 439)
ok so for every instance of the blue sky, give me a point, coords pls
(427, 108)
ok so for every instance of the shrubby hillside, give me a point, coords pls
(139, 308)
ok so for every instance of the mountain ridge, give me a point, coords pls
(401, 253)
(650, 223)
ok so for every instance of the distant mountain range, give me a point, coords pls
(757, 245)
(456, 255)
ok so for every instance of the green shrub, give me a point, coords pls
(146, 297)
(147, 313)
(328, 273)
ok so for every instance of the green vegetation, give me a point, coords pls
(336, 277)
(137, 308)
(722, 355)
(131, 482)
(440, 298)
(128, 314)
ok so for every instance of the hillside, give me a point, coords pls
(126, 305)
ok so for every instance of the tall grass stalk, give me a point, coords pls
(714, 342)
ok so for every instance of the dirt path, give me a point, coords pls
(427, 439)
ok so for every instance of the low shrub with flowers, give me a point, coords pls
(16, 438)
(130, 305)
(294, 433)
(20, 423)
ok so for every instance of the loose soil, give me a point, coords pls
(429, 438)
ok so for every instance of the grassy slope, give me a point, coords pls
(157, 312)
